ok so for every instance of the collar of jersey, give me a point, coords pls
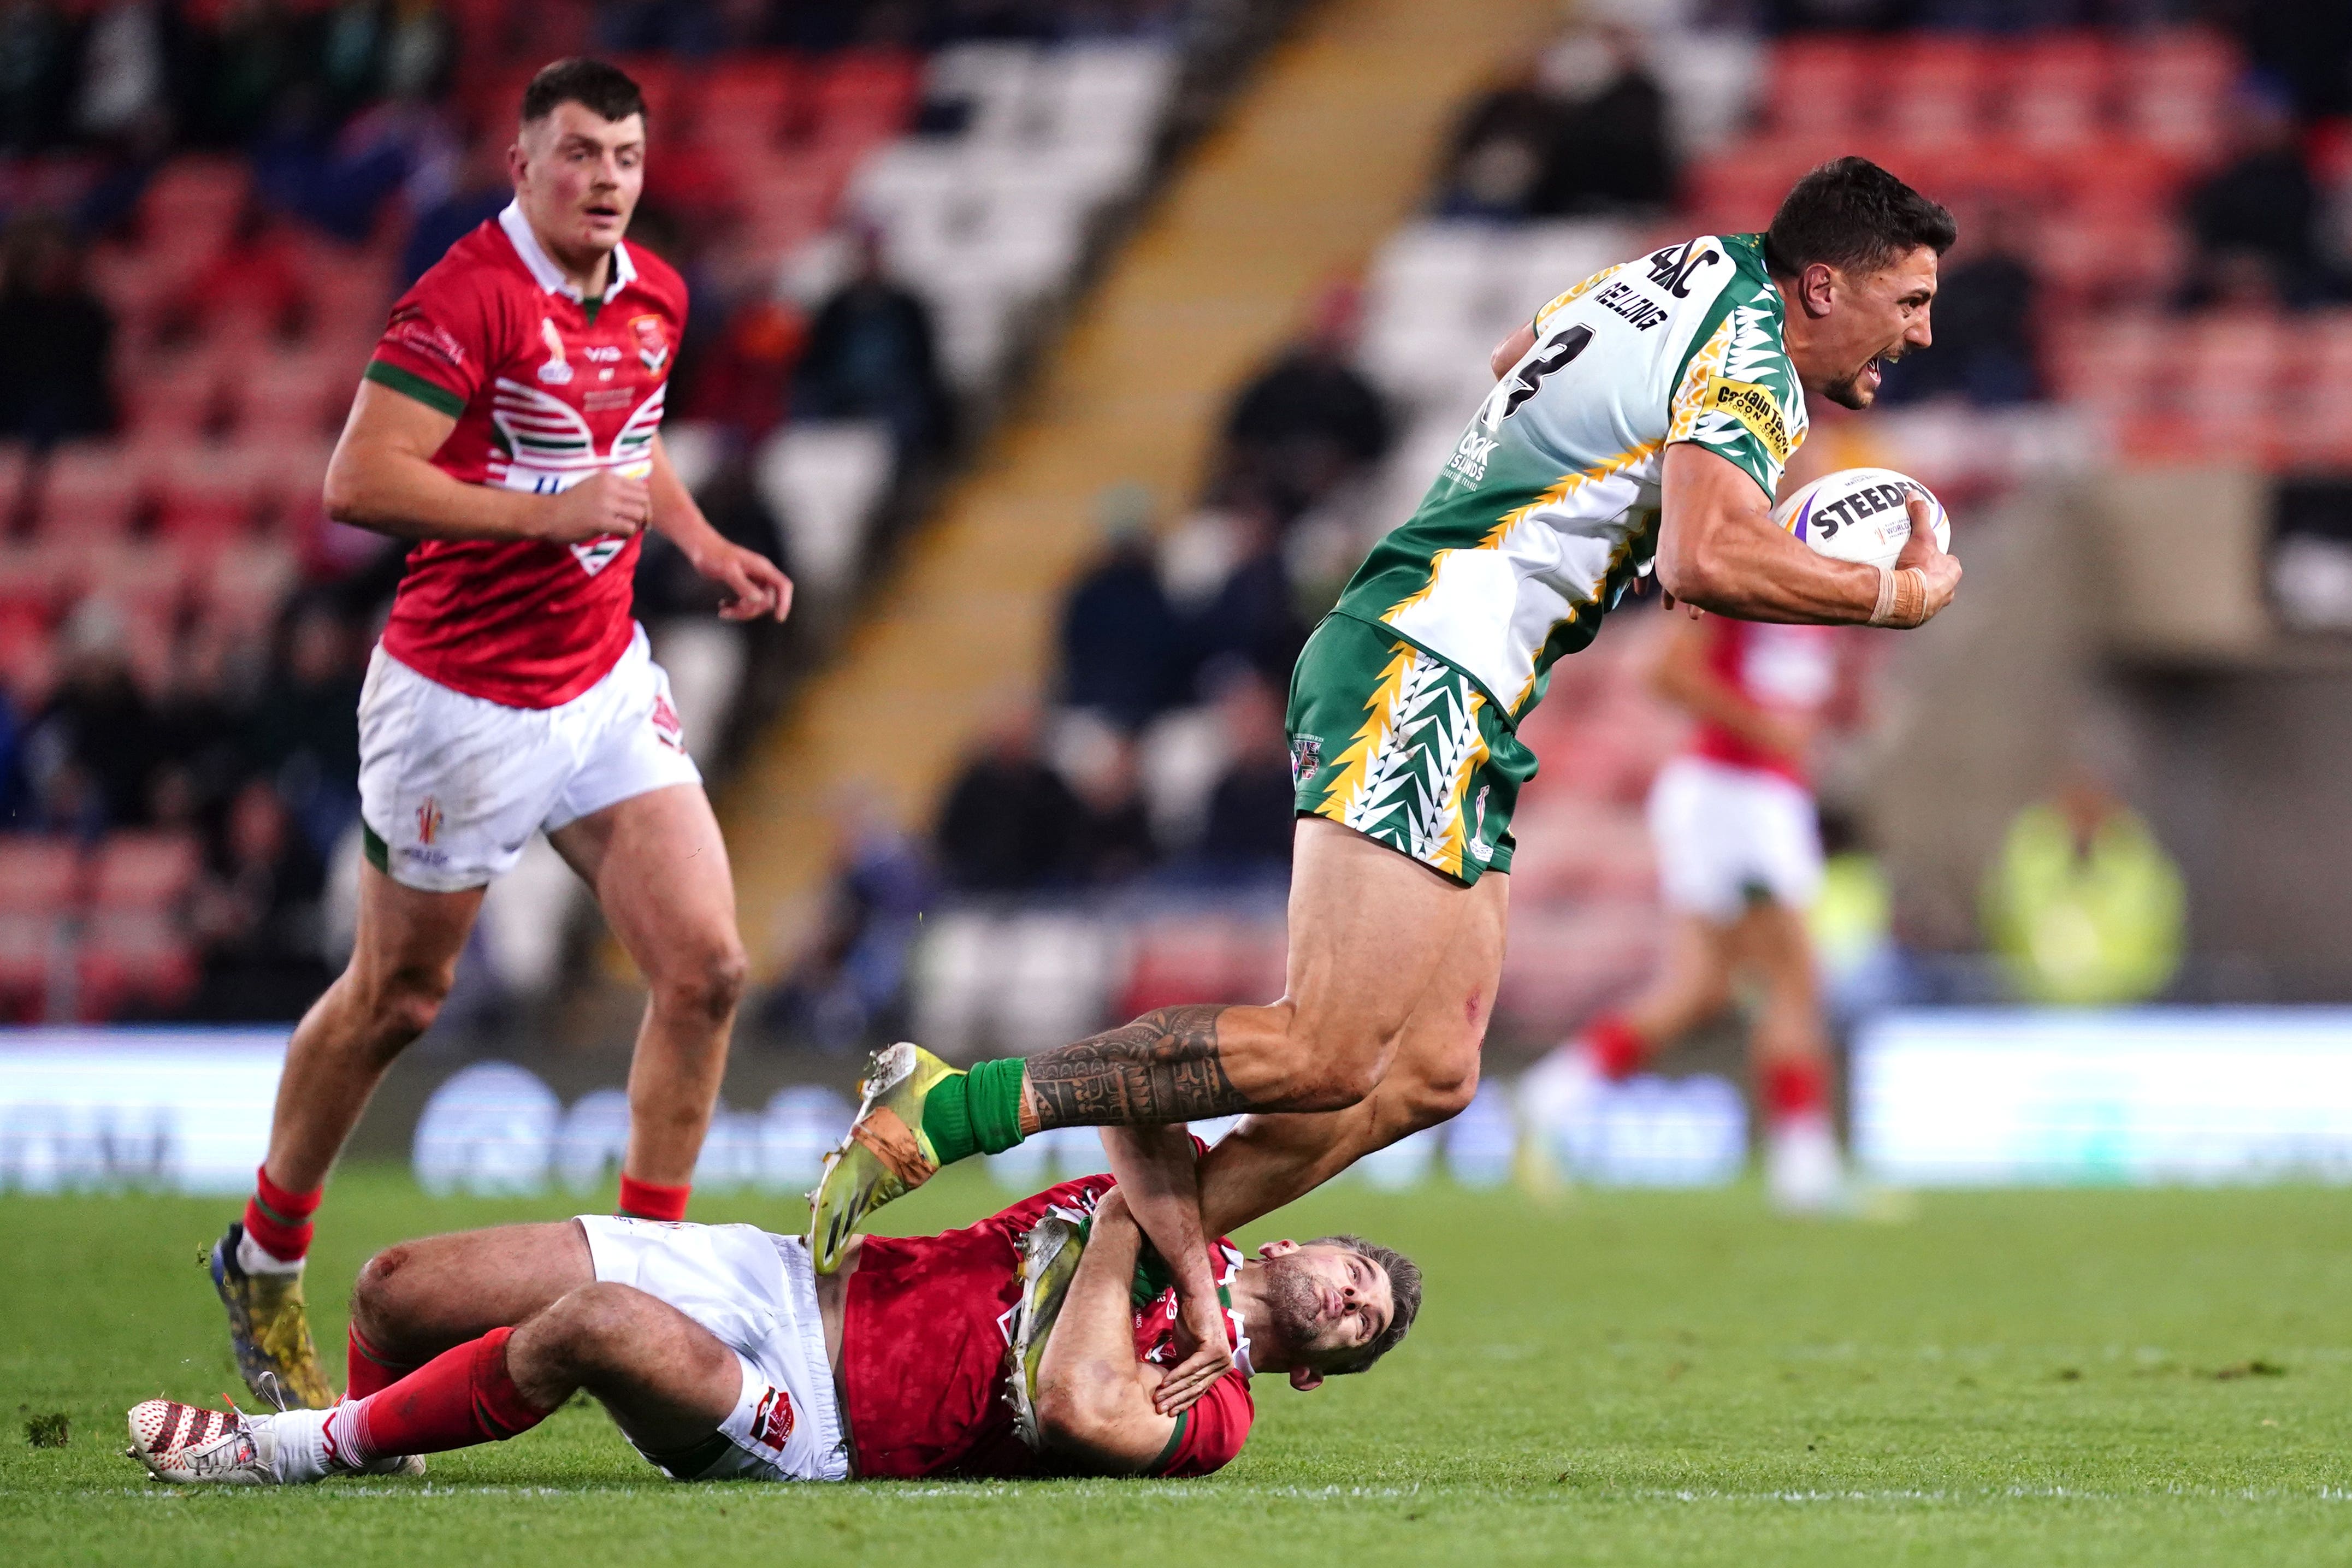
(544, 269)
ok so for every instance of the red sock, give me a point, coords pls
(1792, 1087)
(278, 1220)
(651, 1200)
(459, 1398)
(366, 1370)
(1618, 1049)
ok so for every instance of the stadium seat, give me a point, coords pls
(181, 393)
(294, 394)
(43, 875)
(132, 957)
(1818, 84)
(823, 482)
(89, 490)
(2174, 87)
(208, 493)
(2058, 85)
(34, 947)
(1933, 91)
(745, 100)
(863, 96)
(143, 873)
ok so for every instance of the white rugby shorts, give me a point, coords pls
(757, 1293)
(1729, 836)
(454, 786)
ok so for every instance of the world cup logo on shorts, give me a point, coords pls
(772, 1423)
(428, 819)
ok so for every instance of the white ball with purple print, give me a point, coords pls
(1860, 514)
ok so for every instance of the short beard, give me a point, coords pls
(1292, 1302)
(1846, 392)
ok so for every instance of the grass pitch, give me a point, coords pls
(2046, 1378)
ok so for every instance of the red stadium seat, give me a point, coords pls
(746, 100)
(1933, 86)
(296, 395)
(144, 872)
(2058, 89)
(189, 208)
(33, 946)
(207, 493)
(177, 394)
(43, 876)
(1821, 85)
(89, 490)
(132, 957)
(863, 96)
(2174, 87)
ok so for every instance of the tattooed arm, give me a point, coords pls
(1164, 1067)
(1158, 1172)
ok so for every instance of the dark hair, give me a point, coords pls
(602, 89)
(1404, 1298)
(1855, 217)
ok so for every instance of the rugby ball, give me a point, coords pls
(1859, 514)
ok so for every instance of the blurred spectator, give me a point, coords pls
(90, 749)
(1611, 152)
(127, 54)
(2084, 906)
(13, 804)
(1115, 841)
(1010, 823)
(1310, 420)
(738, 381)
(256, 915)
(2255, 221)
(1502, 149)
(1253, 620)
(1253, 803)
(37, 75)
(198, 726)
(479, 193)
(305, 725)
(55, 339)
(1984, 318)
(1122, 653)
(872, 354)
(850, 985)
(256, 57)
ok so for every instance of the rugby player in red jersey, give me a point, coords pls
(507, 425)
(1032, 1342)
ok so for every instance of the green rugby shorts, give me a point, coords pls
(1405, 748)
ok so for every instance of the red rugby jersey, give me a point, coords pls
(547, 389)
(1783, 669)
(924, 1333)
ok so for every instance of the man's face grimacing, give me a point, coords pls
(1324, 1304)
(577, 176)
(1856, 323)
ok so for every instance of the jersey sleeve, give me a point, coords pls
(1737, 394)
(436, 345)
(1559, 301)
(1211, 1434)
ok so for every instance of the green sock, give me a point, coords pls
(975, 1113)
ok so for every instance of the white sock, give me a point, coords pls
(298, 1448)
(1804, 1169)
(345, 1445)
(255, 1259)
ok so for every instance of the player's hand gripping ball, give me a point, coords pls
(1860, 514)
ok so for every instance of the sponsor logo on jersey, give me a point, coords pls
(1469, 458)
(1754, 406)
(772, 1422)
(1306, 757)
(653, 341)
(594, 555)
(411, 330)
(602, 353)
(556, 371)
(428, 819)
(671, 733)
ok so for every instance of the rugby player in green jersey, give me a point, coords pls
(1639, 423)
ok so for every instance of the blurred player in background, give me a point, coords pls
(1643, 417)
(1738, 839)
(507, 423)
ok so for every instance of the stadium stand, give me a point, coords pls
(197, 264)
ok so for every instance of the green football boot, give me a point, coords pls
(1050, 1254)
(269, 1330)
(885, 1156)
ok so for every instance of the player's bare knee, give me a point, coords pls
(1437, 1095)
(708, 985)
(375, 1294)
(593, 1326)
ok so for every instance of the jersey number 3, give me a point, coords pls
(1565, 347)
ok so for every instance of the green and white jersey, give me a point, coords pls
(1549, 507)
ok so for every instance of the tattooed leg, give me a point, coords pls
(1166, 1066)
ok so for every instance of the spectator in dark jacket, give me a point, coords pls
(1310, 420)
(1010, 823)
(258, 914)
(1252, 808)
(91, 748)
(56, 341)
(2260, 214)
(872, 354)
(1122, 645)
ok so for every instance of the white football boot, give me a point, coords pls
(192, 1446)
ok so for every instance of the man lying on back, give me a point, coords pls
(1039, 1341)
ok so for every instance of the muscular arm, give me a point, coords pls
(1719, 549)
(1094, 1397)
(381, 478)
(1159, 1175)
(1682, 676)
(1512, 349)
